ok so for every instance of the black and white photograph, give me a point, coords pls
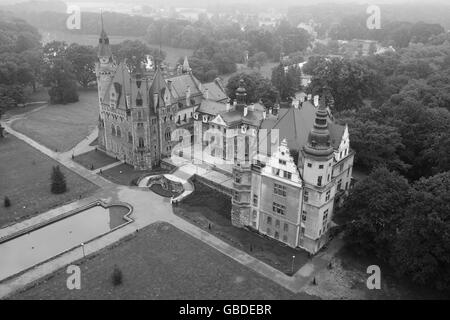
(202, 151)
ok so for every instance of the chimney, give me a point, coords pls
(316, 100)
(234, 103)
(295, 103)
(228, 106)
(188, 96)
(264, 115)
(206, 94)
(309, 96)
(169, 84)
(270, 110)
(245, 111)
(155, 101)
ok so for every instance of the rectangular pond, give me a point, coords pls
(50, 239)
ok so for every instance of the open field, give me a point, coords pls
(211, 211)
(25, 180)
(61, 127)
(160, 262)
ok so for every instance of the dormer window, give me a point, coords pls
(205, 119)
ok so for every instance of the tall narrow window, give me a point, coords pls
(319, 181)
(141, 142)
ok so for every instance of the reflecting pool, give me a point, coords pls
(24, 250)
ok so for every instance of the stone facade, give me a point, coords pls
(139, 111)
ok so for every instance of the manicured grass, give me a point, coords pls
(25, 180)
(94, 159)
(61, 127)
(211, 211)
(126, 175)
(160, 262)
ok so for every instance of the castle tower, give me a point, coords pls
(242, 174)
(104, 69)
(318, 194)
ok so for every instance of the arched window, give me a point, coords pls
(113, 130)
(141, 142)
(119, 133)
(168, 134)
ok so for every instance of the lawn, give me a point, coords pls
(160, 262)
(94, 159)
(61, 127)
(25, 180)
(126, 175)
(211, 211)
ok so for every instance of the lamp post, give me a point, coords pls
(293, 261)
(82, 248)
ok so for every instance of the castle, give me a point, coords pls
(289, 166)
(139, 111)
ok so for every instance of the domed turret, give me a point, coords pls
(319, 141)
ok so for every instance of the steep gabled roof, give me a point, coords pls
(295, 124)
(214, 91)
(180, 85)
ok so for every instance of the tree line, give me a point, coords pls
(397, 107)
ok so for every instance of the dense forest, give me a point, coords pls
(397, 107)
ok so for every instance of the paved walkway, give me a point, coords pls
(148, 208)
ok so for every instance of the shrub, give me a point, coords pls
(117, 276)
(58, 185)
(7, 202)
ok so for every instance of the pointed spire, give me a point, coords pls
(104, 49)
(186, 68)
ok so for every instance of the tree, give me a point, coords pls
(259, 89)
(286, 82)
(60, 78)
(350, 82)
(58, 181)
(422, 250)
(135, 53)
(117, 276)
(373, 211)
(257, 60)
(6, 202)
(375, 144)
(83, 60)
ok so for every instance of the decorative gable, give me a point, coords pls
(219, 121)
